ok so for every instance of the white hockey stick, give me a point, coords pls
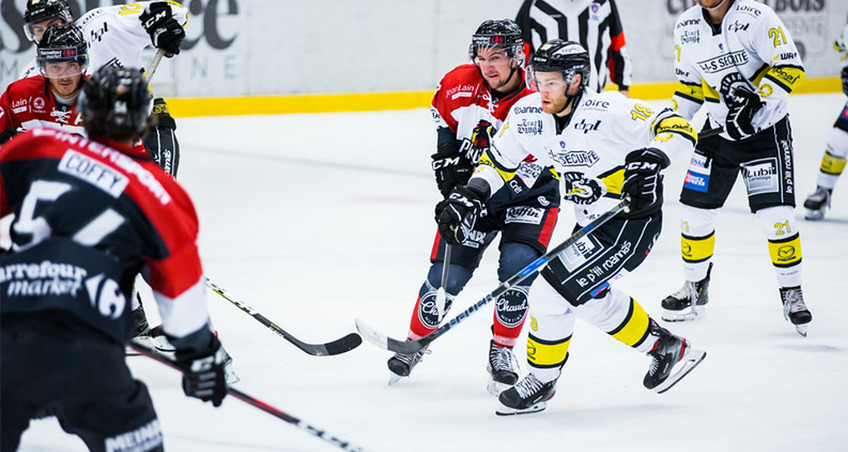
(153, 65)
(441, 295)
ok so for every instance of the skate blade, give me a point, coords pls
(802, 329)
(696, 313)
(495, 388)
(691, 359)
(394, 378)
(814, 215)
(504, 410)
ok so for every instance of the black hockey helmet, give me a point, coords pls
(62, 44)
(38, 11)
(498, 33)
(115, 103)
(558, 55)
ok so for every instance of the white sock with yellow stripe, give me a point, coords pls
(784, 243)
(697, 241)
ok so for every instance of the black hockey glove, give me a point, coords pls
(452, 169)
(582, 190)
(463, 203)
(742, 106)
(845, 80)
(643, 181)
(161, 142)
(8, 133)
(203, 373)
(165, 32)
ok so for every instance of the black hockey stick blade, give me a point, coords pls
(152, 353)
(408, 347)
(338, 346)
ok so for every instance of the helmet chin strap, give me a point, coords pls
(714, 7)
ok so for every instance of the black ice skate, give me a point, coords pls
(401, 364)
(529, 395)
(688, 303)
(795, 310)
(502, 368)
(672, 358)
(817, 203)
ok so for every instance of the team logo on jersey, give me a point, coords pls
(761, 176)
(524, 215)
(593, 104)
(737, 26)
(525, 110)
(594, 8)
(688, 23)
(724, 61)
(698, 176)
(581, 252)
(574, 158)
(42, 278)
(61, 116)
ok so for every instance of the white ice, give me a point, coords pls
(315, 220)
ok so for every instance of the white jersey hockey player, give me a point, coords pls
(589, 138)
(835, 153)
(736, 58)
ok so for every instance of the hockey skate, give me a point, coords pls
(672, 358)
(688, 303)
(817, 203)
(529, 395)
(401, 364)
(795, 310)
(151, 337)
(502, 368)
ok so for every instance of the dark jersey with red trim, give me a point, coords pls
(88, 217)
(463, 99)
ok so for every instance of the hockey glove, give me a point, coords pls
(643, 181)
(461, 204)
(161, 142)
(8, 133)
(165, 32)
(582, 190)
(743, 105)
(203, 372)
(845, 80)
(452, 169)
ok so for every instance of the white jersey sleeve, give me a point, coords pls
(116, 37)
(841, 46)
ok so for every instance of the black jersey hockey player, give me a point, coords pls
(89, 214)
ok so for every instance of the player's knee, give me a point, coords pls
(514, 257)
(458, 276)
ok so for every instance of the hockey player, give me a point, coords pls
(470, 103)
(834, 158)
(48, 99)
(88, 215)
(116, 36)
(738, 59)
(589, 138)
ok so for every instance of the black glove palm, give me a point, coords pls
(742, 107)
(203, 373)
(462, 203)
(165, 32)
(643, 181)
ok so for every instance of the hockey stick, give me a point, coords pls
(441, 295)
(345, 344)
(410, 347)
(250, 400)
(154, 63)
(711, 132)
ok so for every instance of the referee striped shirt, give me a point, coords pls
(596, 25)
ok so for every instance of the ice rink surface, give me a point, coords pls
(315, 220)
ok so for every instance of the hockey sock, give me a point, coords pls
(834, 158)
(697, 241)
(621, 317)
(784, 243)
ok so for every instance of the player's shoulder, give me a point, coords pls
(27, 84)
(464, 74)
(91, 16)
(692, 17)
(751, 12)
